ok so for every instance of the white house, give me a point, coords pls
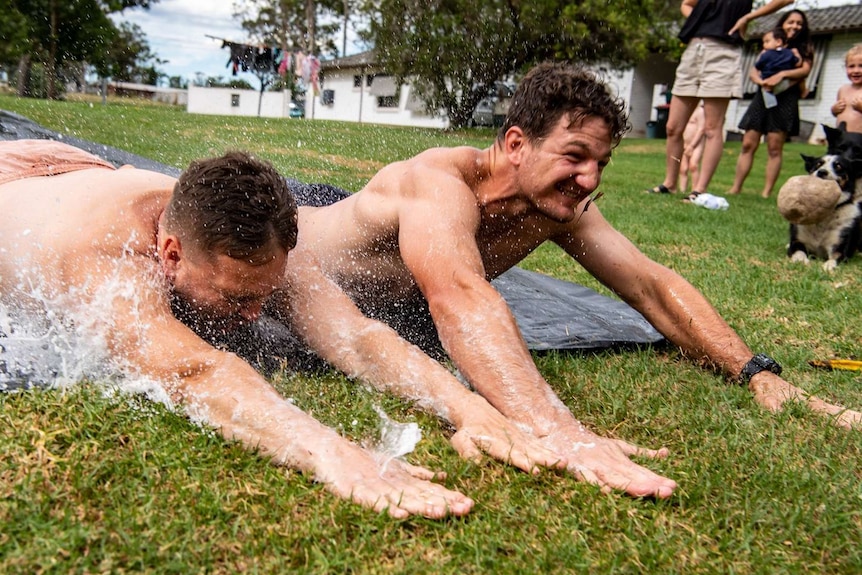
(238, 102)
(356, 89)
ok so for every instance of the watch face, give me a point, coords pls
(767, 362)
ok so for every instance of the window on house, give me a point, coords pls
(357, 81)
(388, 92)
(387, 101)
(234, 100)
(369, 79)
(328, 98)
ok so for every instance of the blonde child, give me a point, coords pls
(848, 105)
(693, 137)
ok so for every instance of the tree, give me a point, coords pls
(291, 25)
(59, 32)
(128, 57)
(454, 51)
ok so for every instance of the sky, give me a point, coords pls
(177, 32)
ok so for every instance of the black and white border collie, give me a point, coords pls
(838, 237)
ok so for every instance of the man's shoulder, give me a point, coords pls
(431, 167)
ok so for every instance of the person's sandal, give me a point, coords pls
(659, 189)
(691, 197)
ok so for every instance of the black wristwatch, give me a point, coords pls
(758, 363)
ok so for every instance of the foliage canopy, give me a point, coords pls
(56, 34)
(454, 50)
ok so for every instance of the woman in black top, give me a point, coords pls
(710, 71)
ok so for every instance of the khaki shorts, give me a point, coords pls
(21, 159)
(709, 69)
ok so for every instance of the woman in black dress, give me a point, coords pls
(782, 121)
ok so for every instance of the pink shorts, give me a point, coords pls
(709, 68)
(21, 159)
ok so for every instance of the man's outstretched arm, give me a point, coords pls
(372, 352)
(681, 313)
(222, 390)
(437, 230)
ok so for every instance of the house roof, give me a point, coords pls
(368, 58)
(820, 20)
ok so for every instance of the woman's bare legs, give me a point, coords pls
(774, 147)
(750, 142)
(681, 109)
(713, 111)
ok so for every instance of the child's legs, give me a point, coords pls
(694, 160)
(684, 167)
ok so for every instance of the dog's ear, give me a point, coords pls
(810, 162)
(833, 137)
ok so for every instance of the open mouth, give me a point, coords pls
(570, 190)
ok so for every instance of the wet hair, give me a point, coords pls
(778, 33)
(235, 205)
(551, 90)
(855, 50)
(802, 39)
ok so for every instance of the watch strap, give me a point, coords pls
(760, 362)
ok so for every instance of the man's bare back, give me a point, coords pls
(363, 233)
(101, 247)
(55, 231)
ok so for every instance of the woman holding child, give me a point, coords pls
(774, 111)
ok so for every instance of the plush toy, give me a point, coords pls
(808, 200)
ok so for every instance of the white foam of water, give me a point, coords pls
(396, 439)
(57, 341)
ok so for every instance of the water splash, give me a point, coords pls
(52, 341)
(396, 439)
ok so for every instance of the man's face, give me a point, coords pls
(560, 171)
(214, 293)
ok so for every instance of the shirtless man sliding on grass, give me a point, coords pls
(122, 254)
(437, 227)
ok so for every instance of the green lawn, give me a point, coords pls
(90, 484)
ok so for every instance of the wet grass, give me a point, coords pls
(90, 483)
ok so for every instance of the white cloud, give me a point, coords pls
(177, 31)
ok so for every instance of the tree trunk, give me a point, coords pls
(51, 65)
(23, 76)
(310, 21)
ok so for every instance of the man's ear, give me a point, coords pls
(513, 144)
(170, 255)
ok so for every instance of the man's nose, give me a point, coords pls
(589, 179)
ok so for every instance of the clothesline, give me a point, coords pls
(268, 59)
